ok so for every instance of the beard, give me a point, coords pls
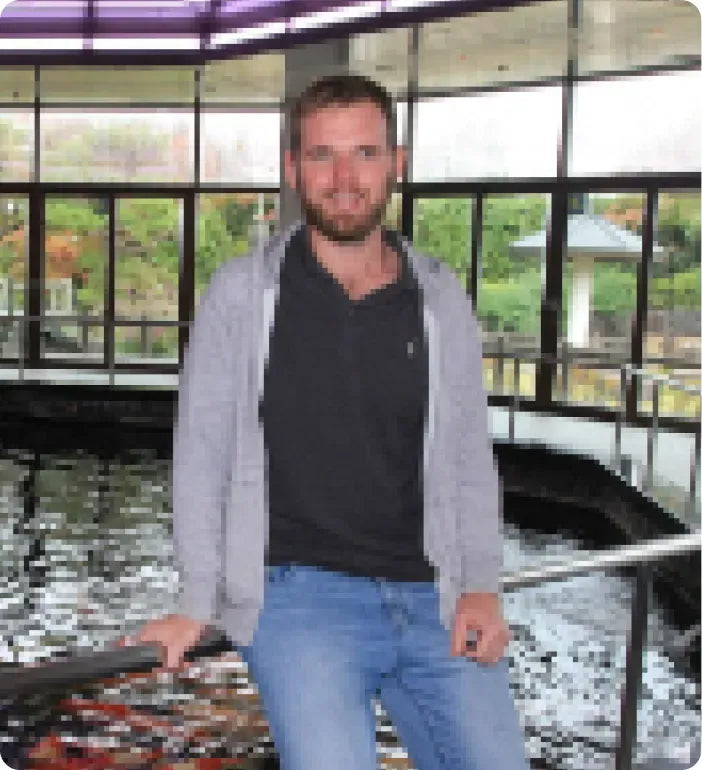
(346, 227)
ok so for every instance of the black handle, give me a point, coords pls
(20, 681)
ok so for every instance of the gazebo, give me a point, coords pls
(589, 238)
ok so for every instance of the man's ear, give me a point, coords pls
(400, 162)
(290, 163)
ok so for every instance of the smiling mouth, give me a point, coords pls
(345, 201)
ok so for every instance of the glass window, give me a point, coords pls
(107, 146)
(16, 84)
(258, 78)
(147, 265)
(401, 113)
(599, 296)
(442, 228)
(75, 261)
(518, 44)
(626, 34)
(13, 251)
(229, 225)
(16, 145)
(501, 134)
(381, 56)
(672, 340)
(510, 289)
(648, 123)
(392, 219)
(117, 84)
(241, 147)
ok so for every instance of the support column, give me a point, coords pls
(303, 65)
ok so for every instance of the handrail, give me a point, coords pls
(662, 378)
(144, 657)
(627, 555)
(627, 371)
(78, 670)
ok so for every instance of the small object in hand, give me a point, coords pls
(472, 640)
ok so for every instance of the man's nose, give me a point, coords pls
(343, 168)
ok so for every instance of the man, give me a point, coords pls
(335, 499)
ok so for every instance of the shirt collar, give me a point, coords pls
(302, 245)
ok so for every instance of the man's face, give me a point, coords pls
(345, 172)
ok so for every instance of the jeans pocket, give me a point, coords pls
(278, 573)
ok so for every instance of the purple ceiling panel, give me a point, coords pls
(138, 18)
(238, 14)
(40, 17)
(192, 20)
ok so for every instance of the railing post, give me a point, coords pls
(514, 401)
(501, 364)
(20, 345)
(651, 439)
(694, 464)
(565, 364)
(84, 327)
(631, 690)
(143, 330)
(111, 358)
(619, 419)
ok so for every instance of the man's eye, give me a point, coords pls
(369, 152)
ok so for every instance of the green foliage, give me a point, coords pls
(614, 289)
(509, 297)
(507, 218)
(224, 230)
(510, 288)
(214, 240)
(679, 230)
(442, 228)
(82, 219)
(680, 291)
(512, 305)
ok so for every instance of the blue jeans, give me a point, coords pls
(327, 642)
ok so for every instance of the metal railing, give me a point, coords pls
(626, 372)
(79, 670)
(619, 462)
(85, 323)
(640, 556)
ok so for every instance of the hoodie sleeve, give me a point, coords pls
(479, 493)
(201, 454)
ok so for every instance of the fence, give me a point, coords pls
(620, 462)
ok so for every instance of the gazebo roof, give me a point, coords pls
(589, 234)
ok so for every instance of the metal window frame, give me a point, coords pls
(558, 188)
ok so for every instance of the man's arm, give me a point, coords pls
(479, 492)
(478, 495)
(201, 454)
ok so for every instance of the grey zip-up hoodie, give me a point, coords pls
(220, 498)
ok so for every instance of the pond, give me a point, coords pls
(86, 558)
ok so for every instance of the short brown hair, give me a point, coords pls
(341, 89)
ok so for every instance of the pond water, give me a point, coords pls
(86, 558)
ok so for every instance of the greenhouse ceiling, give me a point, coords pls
(197, 29)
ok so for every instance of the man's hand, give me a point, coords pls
(479, 612)
(175, 633)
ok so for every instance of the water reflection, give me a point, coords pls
(87, 557)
